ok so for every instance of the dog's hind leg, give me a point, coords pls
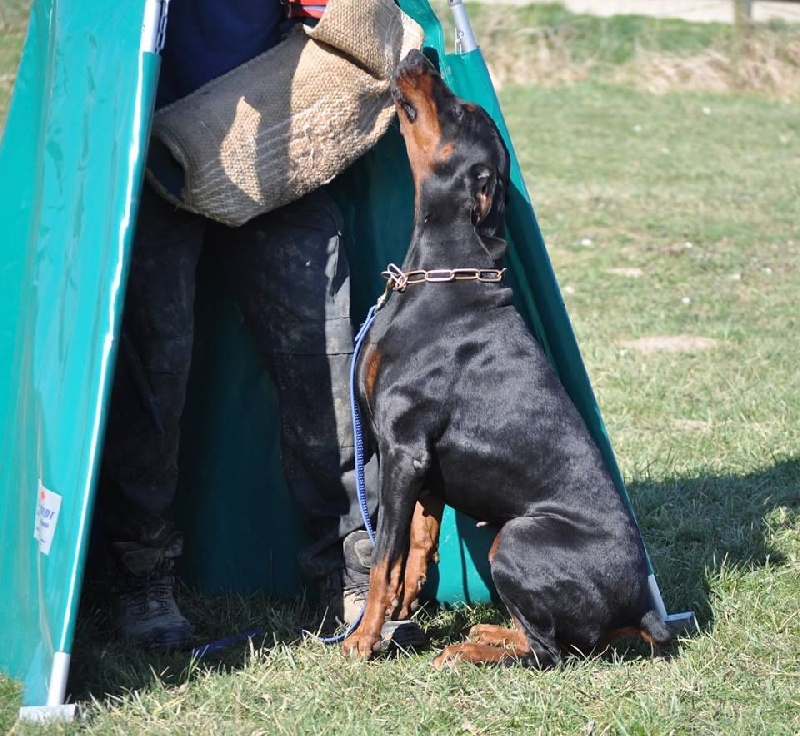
(532, 640)
(477, 654)
(422, 550)
(523, 575)
(499, 636)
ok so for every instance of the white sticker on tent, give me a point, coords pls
(47, 508)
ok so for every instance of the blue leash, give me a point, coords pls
(358, 435)
(228, 641)
(358, 439)
(361, 490)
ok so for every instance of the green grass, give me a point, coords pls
(708, 442)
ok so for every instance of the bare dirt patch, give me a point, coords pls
(684, 343)
(692, 425)
(628, 273)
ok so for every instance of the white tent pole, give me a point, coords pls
(465, 39)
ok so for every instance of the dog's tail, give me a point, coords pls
(653, 628)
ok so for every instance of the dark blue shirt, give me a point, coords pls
(206, 38)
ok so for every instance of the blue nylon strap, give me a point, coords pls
(358, 434)
(358, 441)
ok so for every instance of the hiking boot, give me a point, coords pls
(143, 607)
(357, 549)
(343, 594)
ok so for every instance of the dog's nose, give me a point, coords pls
(414, 64)
(415, 58)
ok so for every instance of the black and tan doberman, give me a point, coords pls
(466, 410)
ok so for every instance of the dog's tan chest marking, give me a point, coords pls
(371, 369)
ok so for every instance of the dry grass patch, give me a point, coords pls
(768, 63)
(538, 55)
(547, 46)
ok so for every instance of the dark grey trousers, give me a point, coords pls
(290, 277)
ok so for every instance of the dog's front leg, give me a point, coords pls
(422, 549)
(401, 481)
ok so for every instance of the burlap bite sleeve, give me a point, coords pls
(291, 119)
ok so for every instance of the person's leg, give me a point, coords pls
(290, 275)
(139, 469)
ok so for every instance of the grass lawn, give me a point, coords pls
(673, 224)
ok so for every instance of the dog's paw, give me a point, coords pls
(360, 646)
(495, 636)
(448, 658)
(479, 633)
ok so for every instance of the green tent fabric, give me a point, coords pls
(71, 164)
(70, 170)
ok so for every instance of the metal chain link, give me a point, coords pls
(399, 279)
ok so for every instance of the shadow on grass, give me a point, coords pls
(694, 527)
(104, 668)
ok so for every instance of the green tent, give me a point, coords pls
(71, 164)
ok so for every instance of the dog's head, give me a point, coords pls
(458, 159)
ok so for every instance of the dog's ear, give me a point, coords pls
(492, 224)
(488, 201)
(487, 211)
(491, 229)
(482, 186)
